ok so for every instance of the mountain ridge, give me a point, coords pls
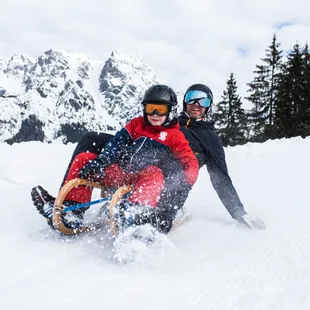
(61, 95)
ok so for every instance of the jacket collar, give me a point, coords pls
(184, 115)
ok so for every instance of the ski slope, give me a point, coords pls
(210, 263)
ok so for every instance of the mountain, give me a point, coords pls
(61, 95)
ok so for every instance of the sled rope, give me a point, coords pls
(86, 204)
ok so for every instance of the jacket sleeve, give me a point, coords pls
(220, 179)
(184, 153)
(115, 146)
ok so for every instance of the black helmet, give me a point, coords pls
(200, 87)
(162, 94)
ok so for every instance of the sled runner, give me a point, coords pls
(110, 202)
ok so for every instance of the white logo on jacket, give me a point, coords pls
(163, 135)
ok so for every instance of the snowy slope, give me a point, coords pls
(211, 263)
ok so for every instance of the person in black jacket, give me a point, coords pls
(208, 149)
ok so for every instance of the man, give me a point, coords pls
(208, 149)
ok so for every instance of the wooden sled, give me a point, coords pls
(112, 202)
(58, 206)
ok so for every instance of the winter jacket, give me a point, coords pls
(139, 145)
(209, 151)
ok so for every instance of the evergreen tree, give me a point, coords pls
(229, 117)
(263, 92)
(305, 109)
(283, 114)
(292, 114)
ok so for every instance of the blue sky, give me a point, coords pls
(183, 41)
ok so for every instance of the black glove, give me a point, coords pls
(93, 171)
(157, 218)
(174, 194)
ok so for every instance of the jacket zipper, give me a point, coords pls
(137, 150)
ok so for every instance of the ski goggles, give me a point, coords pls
(201, 97)
(158, 109)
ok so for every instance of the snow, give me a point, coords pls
(11, 85)
(210, 263)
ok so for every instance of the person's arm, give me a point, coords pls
(219, 176)
(222, 183)
(178, 184)
(114, 147)
(109, 154)
(224, 187)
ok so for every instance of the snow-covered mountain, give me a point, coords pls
(61, 95)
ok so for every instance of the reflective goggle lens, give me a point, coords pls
(159, 109)
(198, 96)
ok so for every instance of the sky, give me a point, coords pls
(183, 41)
(211, 262)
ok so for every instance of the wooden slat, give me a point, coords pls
(58, 206)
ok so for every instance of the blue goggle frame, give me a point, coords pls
(198, 96)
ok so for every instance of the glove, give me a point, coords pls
(251, 222)
(93, 171)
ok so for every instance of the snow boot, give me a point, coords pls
(44, 203)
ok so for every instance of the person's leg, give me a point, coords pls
(115, 177)
(174, 195)
(171, 201)
(148, 186)
(44, 202)
(88, 148)
(172, 198)
(91, 142)
(80, 194)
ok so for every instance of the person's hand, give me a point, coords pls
(93, 171)
(251, 222)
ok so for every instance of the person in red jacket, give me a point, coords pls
(145, 153)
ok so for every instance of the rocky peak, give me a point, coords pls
(52, 64)
(18, 65)
(58, 66)
(122, 80)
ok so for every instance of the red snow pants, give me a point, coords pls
(148, 183)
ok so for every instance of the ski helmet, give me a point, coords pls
(199, 87)
(162, 94)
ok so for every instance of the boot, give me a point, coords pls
(44, 203)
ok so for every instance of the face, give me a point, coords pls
(195, 110)
(156, 120)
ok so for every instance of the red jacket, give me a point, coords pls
(139, 145)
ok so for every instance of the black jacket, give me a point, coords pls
(208, 148)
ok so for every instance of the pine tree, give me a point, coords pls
(263, 91)
(229, 116)
(305, 108)
(291, 112)
(283, 114)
